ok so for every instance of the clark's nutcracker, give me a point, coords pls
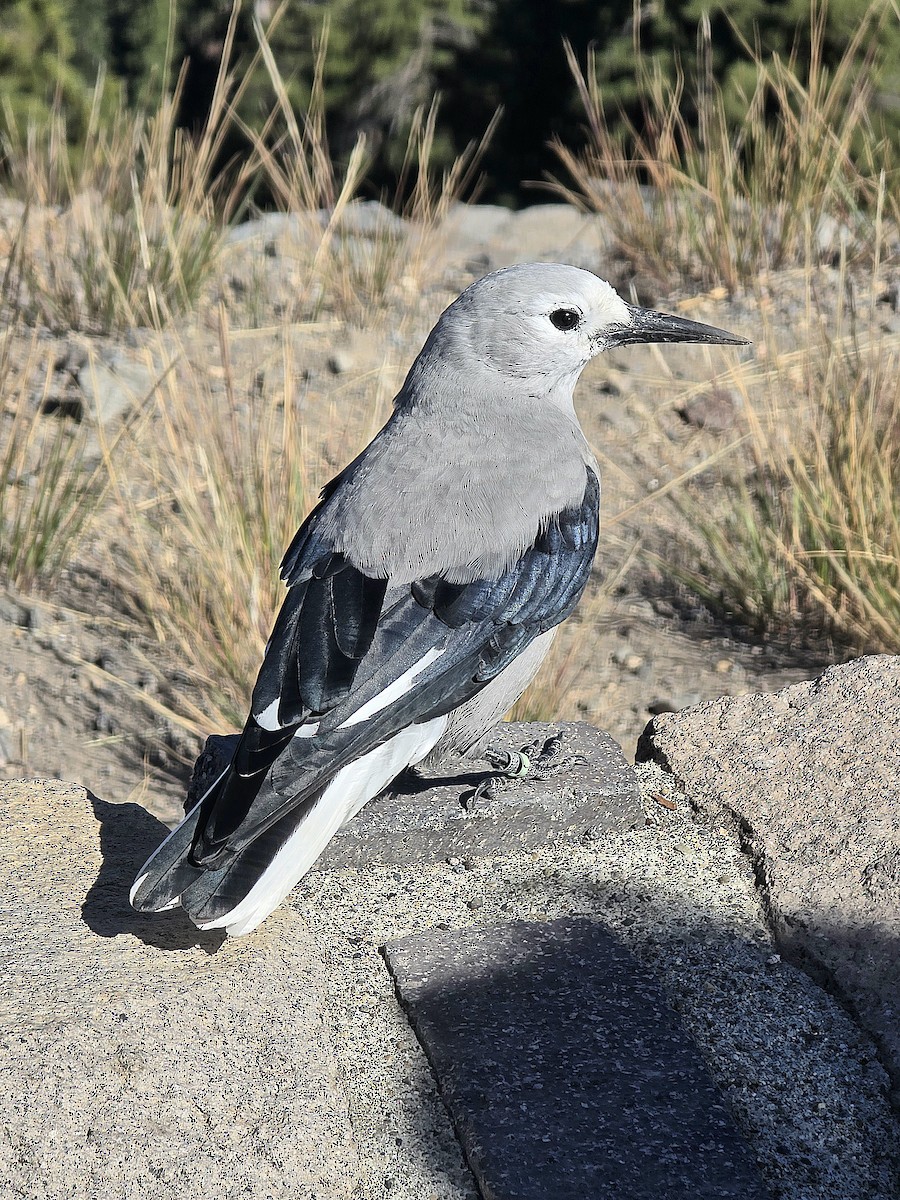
(424, 589)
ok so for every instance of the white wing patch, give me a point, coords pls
(394, 690)
(268, 719)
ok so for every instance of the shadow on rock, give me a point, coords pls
(128, 835)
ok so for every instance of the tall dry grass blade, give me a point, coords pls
(797, 179)
(49, 489)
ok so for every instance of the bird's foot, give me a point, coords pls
(547, 760)
(535, 761)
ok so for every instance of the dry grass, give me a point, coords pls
(49, 491)
(227, 472)
(718, 204)
(138, 235)
(798, 534)
(340, 269)
(225, 477)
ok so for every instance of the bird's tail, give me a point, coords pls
(244, 889)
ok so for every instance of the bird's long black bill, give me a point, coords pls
(650, 326)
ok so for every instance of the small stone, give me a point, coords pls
(715, 411)
(339, 362)
(891, 295)
(832, 235)
(111, 389)
(13, 613)
(104, 723)
(35, 618)
(624, 656)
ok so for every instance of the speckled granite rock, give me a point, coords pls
(566, 1070)
(141, 1058)
(812, 777)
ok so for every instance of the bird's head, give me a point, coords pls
(539, 323)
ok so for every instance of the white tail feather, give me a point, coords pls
(351, 788)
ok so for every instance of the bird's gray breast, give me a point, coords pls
(457, 494)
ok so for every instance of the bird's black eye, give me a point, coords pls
(565, 318)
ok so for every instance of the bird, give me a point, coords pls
(423, 590)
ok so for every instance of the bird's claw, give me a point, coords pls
(535, 761)
(548, 759)
(513, 764)
(484, 791)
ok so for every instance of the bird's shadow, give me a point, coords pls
(411, 783)
(128, 835)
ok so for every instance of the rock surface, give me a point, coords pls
(812, 777)
(801, 1080)
(141, 1058)
(114, 387)
(565, 1069)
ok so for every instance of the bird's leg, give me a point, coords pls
(534, 761)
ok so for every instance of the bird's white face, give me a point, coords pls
(542, 322)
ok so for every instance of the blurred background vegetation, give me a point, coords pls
(388, 58)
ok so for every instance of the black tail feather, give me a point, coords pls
(167, 873)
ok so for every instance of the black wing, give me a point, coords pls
(337, 647)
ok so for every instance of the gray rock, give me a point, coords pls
(810, 775)
(555, 232)
(7, 745)
(832, 235)
(778, 1047)
(140, 1056)
(366, 218)
(565, 1069)
(425, 818)
(112, 388)
(715, 411)
(891, 295)
(72, 356)
(270, 227)
(340, 361)
(14, 613)
(468, 227)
